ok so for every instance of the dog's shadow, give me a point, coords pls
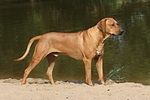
(57, 82)
(64, 82)
(108, 82)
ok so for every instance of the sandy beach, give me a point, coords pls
(41, 89)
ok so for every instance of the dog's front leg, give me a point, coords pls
(99, 66)
(87, 63)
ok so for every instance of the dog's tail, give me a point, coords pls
(28, 47)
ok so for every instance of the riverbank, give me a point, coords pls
(40, 89)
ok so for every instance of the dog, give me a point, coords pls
(83, 45)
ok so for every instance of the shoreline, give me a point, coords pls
(41, 89)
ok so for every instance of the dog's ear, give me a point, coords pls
(102, 25)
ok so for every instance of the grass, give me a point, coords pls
(115, 75)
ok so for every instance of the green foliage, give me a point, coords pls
(115, 75)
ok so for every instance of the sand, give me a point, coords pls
(40, 89)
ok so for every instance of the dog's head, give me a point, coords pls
(109, 26)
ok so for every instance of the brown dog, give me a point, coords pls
(84, 45)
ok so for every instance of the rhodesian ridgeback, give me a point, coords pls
(83, 45)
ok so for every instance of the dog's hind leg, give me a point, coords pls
(39, 53)
(51, 60)
(31, 66)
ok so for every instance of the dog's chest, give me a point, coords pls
(100, 49)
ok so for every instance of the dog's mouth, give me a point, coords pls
(120, 33)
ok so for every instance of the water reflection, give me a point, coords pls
(19, 21)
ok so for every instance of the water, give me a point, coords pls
(20, 21)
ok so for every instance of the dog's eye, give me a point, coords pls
(113, 25)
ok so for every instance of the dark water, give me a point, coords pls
(20, 21)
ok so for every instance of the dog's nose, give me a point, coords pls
(121, 32)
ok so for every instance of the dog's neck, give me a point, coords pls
(100, 47)
(99, 39)
(98, 35)
(106, 36)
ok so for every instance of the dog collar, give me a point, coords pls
(99, 53)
